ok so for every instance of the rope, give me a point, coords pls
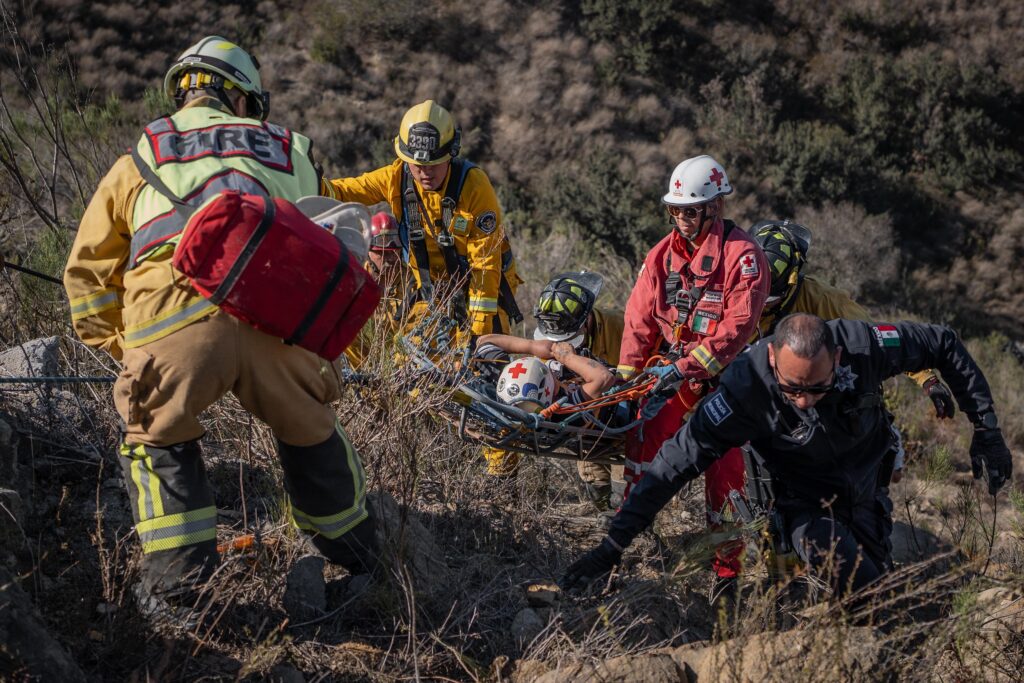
(29, 271)
(56, 380)
(628, 392)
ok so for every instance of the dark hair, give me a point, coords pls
(804, 334)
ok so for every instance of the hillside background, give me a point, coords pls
(893, 130)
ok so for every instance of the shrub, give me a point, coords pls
(852, 250)
(598, 198)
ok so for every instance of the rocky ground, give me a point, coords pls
(468, 594)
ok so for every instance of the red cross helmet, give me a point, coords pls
(527, 383)
(696, 181)
(384, 232)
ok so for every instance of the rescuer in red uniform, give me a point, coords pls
(698, 297)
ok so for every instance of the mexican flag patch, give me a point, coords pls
(886, 335)
(704, 322)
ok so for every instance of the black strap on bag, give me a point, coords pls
(325, 294)
(153, 180)
(251, 244)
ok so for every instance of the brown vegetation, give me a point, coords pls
(893, 130)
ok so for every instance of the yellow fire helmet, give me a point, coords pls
(217, 64)
(428, 135)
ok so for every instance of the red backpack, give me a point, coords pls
(264, 262)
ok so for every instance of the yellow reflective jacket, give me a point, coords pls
(477, 229)
(392, 311)
(113, 308)
(605, 335)
(828, 303)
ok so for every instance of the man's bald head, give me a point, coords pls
(805, 335)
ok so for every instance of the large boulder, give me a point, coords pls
(27, 650)
(834, 653)
(400, 533)
(653, 668)
(305, 594)
(35, 358)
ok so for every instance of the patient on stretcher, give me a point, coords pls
(553, 371)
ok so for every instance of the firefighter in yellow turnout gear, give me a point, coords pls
(565, 312)
(179, 353)
(449, 220)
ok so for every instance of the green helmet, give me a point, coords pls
(217, 64)
(785, 245)
(565, 305)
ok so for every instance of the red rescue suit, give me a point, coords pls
(724, 285)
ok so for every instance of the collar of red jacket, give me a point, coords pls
(705, 261)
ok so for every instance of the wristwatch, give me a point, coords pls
(986, 420)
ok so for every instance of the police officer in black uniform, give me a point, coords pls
(807, 400)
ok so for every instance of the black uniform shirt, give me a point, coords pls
(832, 452)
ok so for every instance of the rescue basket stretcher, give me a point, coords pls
(578, 435)
(472, 406)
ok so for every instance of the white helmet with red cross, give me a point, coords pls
(527, 379)
(696, 181)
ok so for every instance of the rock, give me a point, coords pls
(834, 653)
(529, 670)
(1001, 610)
(542, 594)
(648, 668)
(305, 593)
(283, 673)
(27, 647)
(526, 625)
(413, 544)
(35, 358)
(913, 544)
(8, 450)
(12, 517)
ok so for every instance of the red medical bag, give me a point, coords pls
(264, 262)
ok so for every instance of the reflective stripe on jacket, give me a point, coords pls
(114, 307)
(201, 151)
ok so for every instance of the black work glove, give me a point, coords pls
(940, 395)
(592, 566)
(988, 447)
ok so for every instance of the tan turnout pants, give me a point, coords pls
(165, 385)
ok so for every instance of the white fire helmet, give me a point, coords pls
(527, 379)
(696, 181)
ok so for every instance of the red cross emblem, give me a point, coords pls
(747, 261)
(516, 370)
(678, 184)
(716, 177)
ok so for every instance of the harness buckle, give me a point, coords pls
(445, 239)
(416, 234)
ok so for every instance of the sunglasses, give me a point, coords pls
(800, 389)
(688, 212)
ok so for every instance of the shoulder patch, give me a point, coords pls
(487, 222)
(748, 265)
(717, 409)
(886, 335)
